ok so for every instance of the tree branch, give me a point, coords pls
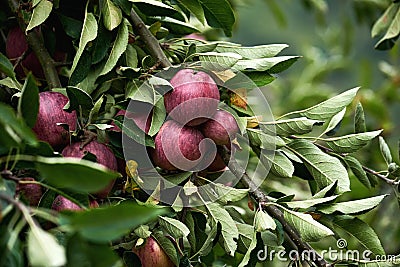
(272, 210)
(36, 43)
(156, 51)
(148, 38)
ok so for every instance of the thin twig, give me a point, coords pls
(262, 199)
(36, 43)
(156, 51)
(150, 41)
(369, 170)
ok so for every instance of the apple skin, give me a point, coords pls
(31, 192)
(16, 45)
(50, 113)
(194, 99)
(218, 164)
(152, 255)
(61, 203)
(221, 128)
(181, 143)
(104, 157)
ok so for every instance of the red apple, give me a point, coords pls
(194, 98)
(50, 113)
(16, 45)
(178, 147)
(152, 255)
(221, 128)
(104, 157)
(218, 164)
(31, 192)
(61, 203)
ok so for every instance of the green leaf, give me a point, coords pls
(279, 63)
(154, 8)
(326, 191)
(324, 168)
(129, 128)
(280, 165)
(79, 99)
(6, 66)
(260, 78)
(359, 119)
(89, 33)
(383, 23)
(80, 252)
(219, 14)
(229, 230)
(158, 117)
(293, 126)
(361, 231)
(72, 27)
(43, 248)
(229, 194)
(40, 13)
(392, 32)
(357, 170)
(353, 207)
(252, 52)
(352, 142)
(385, 150)
(167, 245)
(119, 47)
(176, 26)
(28, 104)
(94, 112)
(112, 15)
(218, 60)
(14, 128)
(334, 122)
(131, 57)
(208, 243)
(76, 174)
(327, 109)
(105, 224)
(143, 231)
(10, 82)
(309, 229)
(194, 8)
(251, 247)
(174, 227)
(263, 140)
(305, 204)
(263, 221)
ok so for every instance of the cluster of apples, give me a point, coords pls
(193, 117)
(53, 125)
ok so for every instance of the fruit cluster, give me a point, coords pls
(193, 116)
(53, 125)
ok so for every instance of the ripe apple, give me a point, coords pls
(194, 98)
(31, 192)
(50, 113)
(61, 203)
(104, 157)
(152, 255)
(16, 45)
(179, 147)
(221, 128)
(142, 120)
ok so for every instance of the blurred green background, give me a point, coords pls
(334, 39)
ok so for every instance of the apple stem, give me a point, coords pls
(150, 41)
